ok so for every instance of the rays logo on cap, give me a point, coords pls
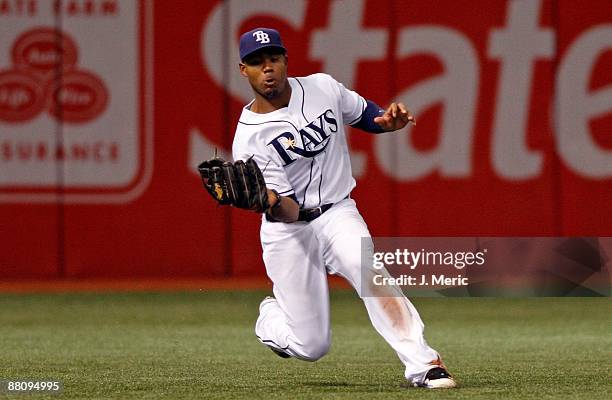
(261, 37)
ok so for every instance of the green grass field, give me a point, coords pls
(202, 345)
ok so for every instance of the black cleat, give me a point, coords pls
(280, 353)
(437, 378)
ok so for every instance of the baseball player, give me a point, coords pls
(294, 131)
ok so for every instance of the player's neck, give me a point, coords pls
(263, 105)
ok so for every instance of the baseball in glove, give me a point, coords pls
(240, 184)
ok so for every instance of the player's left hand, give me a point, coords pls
(395, 117)
(240, 184)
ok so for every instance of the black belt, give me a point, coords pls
(309, 214)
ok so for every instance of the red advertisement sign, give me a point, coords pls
(512, 100)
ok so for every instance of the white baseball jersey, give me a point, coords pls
(302, 151)
(302, 148)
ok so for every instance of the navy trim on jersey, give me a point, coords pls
(279, 186)
(365, 104)
(303, 98)
(269, 122)
(275, 184)
(272, 183)
(309, 180)
(321, 180)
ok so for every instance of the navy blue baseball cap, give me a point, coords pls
(259, 38)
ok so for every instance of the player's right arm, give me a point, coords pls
(366, 115)
(282, 208)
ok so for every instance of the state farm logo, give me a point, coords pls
(45, 76)
(76, 102)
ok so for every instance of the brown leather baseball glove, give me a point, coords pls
(240, 184)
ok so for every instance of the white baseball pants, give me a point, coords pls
(298, 257)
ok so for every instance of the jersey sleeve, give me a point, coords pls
(273, 173)
(352, 104)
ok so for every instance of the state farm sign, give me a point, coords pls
(75, 101)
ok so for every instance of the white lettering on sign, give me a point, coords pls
(456, 90)
(577, 105)
(89, 131)
(517, 45)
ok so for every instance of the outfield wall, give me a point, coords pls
(99, 141)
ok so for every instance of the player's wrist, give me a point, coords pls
(277, 201)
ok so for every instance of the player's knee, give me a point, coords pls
(313, 349)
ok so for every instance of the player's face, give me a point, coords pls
(266, 72)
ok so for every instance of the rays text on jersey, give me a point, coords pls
(314, 138)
